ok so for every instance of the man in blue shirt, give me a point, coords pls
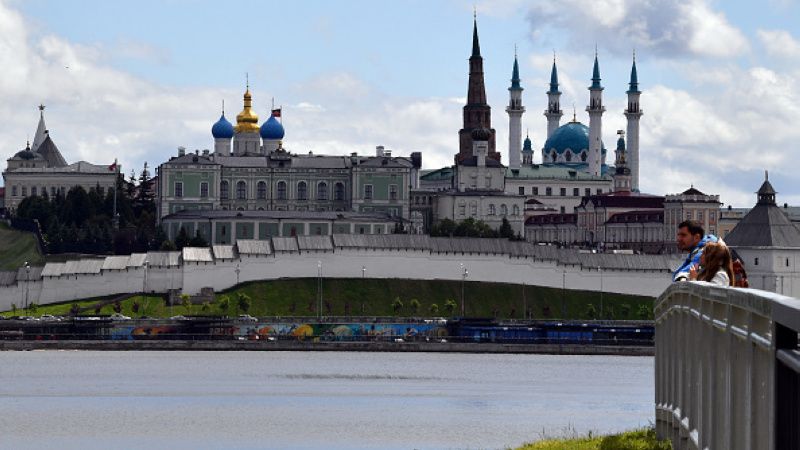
(691, 238)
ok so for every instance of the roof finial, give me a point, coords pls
(554, 56)
(247, 80)
(595, 49)
(515, 50)
(574, 117)
(223, 106)
(41, 107)
(474, 12)
(766, 175)
(634, 54)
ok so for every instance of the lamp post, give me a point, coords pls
(319, 290)
(363, 272)
(237, 270)
(600, 271)
(564, 293)
(464, 274)
(27, 283)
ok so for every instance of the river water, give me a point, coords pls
(313, 400)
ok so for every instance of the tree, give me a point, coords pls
(505, 230)
(434, 309)
(198, 240)
(186, 302)
(182, 240)
(591, 311)
(397, 305)
(224, 304)
(33, 307)
(450, 306)
(645, 312)
(625, 310)
(206, 307)
(414, 305)
(243, 301)
(74, 309)
(444, 227)
(167, 246)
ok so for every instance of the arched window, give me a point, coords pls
(302, 191)
(338, 192)
(583, 156)
(241, 190)
(516, 210)
(491, 210)
(223, 190)
(281, 190)
(553, 156)
(568, 156)
(33, 191)
(322, 191)
(503, 210)
(261, 190)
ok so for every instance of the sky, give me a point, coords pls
(136, 80)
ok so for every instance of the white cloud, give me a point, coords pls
(663, 27)
(779, 43)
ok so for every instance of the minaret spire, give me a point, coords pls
(515, 111)
(477, 113)
(553, 111)
(632, 114)
(595, 110)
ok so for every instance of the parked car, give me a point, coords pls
(118, 316)
(247, 318)
(50, 318)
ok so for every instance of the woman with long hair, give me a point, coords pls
(716, 265)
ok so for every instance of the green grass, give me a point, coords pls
(644, 439)
(298, 297)
(16, 247)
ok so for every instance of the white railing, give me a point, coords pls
(727, 368)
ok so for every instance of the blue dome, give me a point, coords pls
(272, 129)
(573, 136)
(222, 129)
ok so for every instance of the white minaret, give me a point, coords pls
(553, 111)
(515, 111)
(595, 110)
(633, 113)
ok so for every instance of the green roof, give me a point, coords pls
(553, 171)
(444, 173)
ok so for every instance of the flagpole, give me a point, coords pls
(115, 219)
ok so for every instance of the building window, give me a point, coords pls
(787, 262)
(473, 209)
(563, 192)
(462, 210)
(204, 189)
(491, 210)
(755, 263)
(516, 210)
(24, 191)
(535, 190)
(392, 192)
(587, 192)
(241, 190)
(33, 191)
(700, 216)
(548, 191)
(223, 190)
(712, 215)
(367, 192)
(338, 191)
(688, 215)
(503, 210)
(576, 192)
(302, 191)
(568, 156)
(14, 190)
(261, 190)
(281, 190)
(322, 191)
(599, 191)
(522, 190)
(178, 189)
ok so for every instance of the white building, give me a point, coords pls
(769, 245)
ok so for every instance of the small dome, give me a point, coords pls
(573, 136)
(25, 154)
(527, 147)
(222, 129)
(272, 130)
(481, 134)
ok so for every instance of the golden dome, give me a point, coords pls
(247, 120)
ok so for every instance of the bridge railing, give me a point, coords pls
(727, 368)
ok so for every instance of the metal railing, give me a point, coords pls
(727, 368)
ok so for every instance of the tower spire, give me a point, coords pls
(595, 159)
(476, 46)
(553, 111)
(515, 111)
(41, 130)
(632, 114)
(596, 73)
(477, 113)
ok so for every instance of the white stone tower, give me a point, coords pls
(633, 113)
(553, 111)
(595, 110)
(515, 111)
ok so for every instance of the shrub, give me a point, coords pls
(397, 305)
(434, 308)
(414, 305)
(591, 311)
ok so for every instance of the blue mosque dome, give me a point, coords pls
(272, 129)
(572, 136)
(222, 129)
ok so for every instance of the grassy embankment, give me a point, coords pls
(16, 247)
(370, 297)
(632, 440)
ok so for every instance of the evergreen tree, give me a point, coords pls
(505, 230)
(197, 240)
(182, 240)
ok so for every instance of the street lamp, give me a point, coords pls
(27, 283)
(237, 270)
(144, 283)
(563, 293)
(600, 271)
(319, 290)
(464, 274)
(363, 272)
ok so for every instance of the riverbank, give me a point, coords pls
(326, 346)
(631, 440)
